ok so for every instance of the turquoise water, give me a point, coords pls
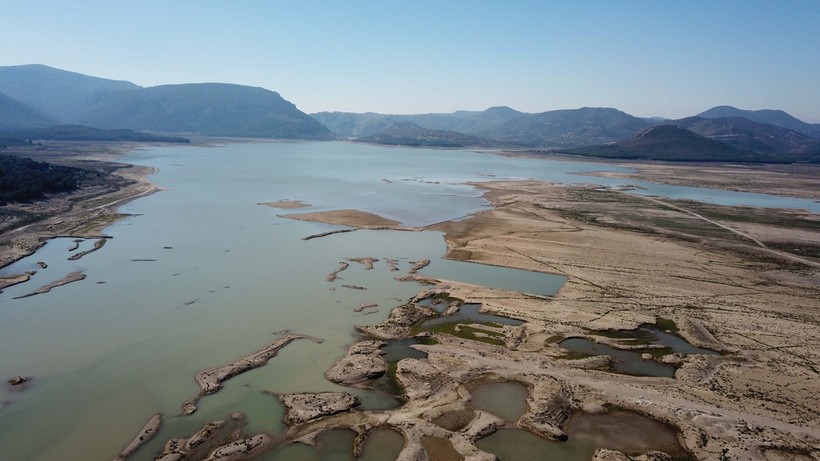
(216, 277)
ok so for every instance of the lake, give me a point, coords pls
(202, 275)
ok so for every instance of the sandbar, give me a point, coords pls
(352, 218)
(286, 204)
(70, 278)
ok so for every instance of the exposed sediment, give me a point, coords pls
(286, 204)
(11, 280)
(146, 433)
(367, 261)
(301, 408)
(211, 380)
(362, 307)
(352, 218)
(99, 243)
(333, 275)
(362, 363)
(419, 265)
(399, 322)
(216, 440)
(325, 234)
(753, 402)
(70, 278)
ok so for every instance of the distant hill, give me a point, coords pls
(573, 127)
(476, 123)
(56, 93)
(746, 134)
(212, 109)
(352, 125)
(15, 115)
(410, 134)
(672, 143)
(768, 116)
(80, 133)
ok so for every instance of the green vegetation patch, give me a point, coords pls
(666, 324)
(464, 332)
(23, 179)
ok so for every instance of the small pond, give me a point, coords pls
(382, 445)
(468, 313)
(332, 445)
(507, 400)
(627, 362)
(620, 430)
(397, 349)
(630, 361)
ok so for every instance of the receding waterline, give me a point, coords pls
(202, 275)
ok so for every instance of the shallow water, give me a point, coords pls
(536, 283)
(507, 400)
(332, 445)
(623, 431)
(628, 362)
(202, 275)
(397, 349)
(467, 313)
(382, 445)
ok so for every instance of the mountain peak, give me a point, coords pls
(774, 117)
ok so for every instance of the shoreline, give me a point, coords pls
(625, 266)
(83, 213)
(606, 242)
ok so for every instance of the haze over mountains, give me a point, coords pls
(38, 97)
(211, 109)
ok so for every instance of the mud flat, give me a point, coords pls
(352, 218)
(97, 245)
(11, 280)
(333, 275)
(217, 440)
(306, 407)
(629, 261)
(286, 204)
(787, 180)
(145, 434)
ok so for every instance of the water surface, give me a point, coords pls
(202, 275)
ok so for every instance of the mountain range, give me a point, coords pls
(775, 137)
(37, 97)
(211, 109)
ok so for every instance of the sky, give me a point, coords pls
(648, 58)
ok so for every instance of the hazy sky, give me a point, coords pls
(666, 58)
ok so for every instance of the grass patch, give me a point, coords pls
(392, 385)
(573, 356)
(554, 339)
(464, 332)
(666, 324)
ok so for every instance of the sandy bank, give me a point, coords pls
(628, 261)
(70, 278)
(82, 213)
(352, 218)
(286, 204)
